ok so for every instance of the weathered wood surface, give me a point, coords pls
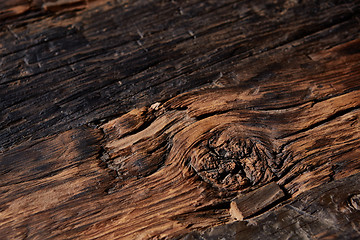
(251, 203)
(145, 119)
(330, 211)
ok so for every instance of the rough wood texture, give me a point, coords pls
(246, 205)
(80, 67)
(15, 8)
(144, 119)
(326, 212)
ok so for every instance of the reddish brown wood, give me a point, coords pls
(145, 119)
(246, 205)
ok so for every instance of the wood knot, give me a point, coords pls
(222, 148)
(231, 160)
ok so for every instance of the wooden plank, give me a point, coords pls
(86, 66)
(175, 166)
(143, 120)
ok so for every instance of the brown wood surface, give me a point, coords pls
(325, 212)
(251, 203)
(146, 119)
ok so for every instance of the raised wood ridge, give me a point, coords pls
(146, 119)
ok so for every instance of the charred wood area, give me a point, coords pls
(179, 119)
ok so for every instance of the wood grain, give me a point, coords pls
(12, 9)
(144, 120)
(226, 139)
(108, 59)
(175, 166)
(246, 205)
(325, 212)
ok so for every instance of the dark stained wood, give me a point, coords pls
(101, 62)
(145, 119)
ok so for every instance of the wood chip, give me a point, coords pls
(249, 204)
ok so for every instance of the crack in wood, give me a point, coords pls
(175, 166)
(219, 146)
(208, 137)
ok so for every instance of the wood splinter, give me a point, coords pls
(251, 203)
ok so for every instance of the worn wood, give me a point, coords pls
(325, 212)
(103, 61)
(144, 119)
(246, 205)
(16, 8)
